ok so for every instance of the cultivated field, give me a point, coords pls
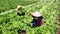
(10, 22)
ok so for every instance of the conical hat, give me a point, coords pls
(36, 14)
(19, 6)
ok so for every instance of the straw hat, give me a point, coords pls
(19, 7)
(36, 14)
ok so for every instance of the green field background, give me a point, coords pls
(10, 23)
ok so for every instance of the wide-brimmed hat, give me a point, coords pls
(18, 7)
(36, 14)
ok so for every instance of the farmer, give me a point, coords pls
(38, 19)
(20, 10)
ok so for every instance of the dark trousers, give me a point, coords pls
(34, 23)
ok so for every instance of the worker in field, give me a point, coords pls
(37, 19)
(21, 11)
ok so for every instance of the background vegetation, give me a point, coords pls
(10, 22)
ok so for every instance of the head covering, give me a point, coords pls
(36, 14)
(19, 7)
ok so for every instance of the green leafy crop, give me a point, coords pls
(10, 22)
